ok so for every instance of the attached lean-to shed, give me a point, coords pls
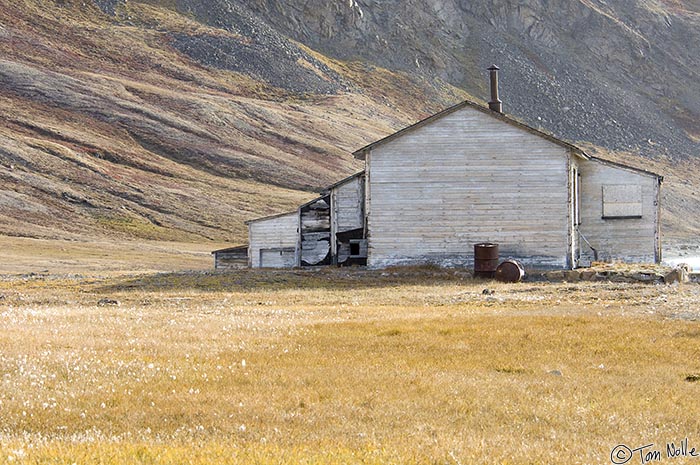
(231, 258)
(273, 241)
(347, 197)
(326, 230)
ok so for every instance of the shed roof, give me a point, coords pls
(271, 217)
(237, 248)
(361, 153)
(312, 201)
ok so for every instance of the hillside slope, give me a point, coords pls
(623, 75)
(109, 127)
(181, 119)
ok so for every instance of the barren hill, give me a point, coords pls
(622, 75)
(180, 119)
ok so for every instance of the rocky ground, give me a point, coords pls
(620, 75)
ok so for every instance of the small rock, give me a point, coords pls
(554, 276)
(677, 275)
(587, 275)
(555, 373)
(488, 291)
(692, 378)
(104, 302)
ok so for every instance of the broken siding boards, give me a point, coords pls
(463, 179)
(315, 230)
(273, 241)
(631, 234)
(347, 200)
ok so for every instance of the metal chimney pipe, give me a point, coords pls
(495, 104)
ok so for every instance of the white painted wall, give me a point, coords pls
(625, 239)
(271, 236)
(347, 200)
(465, 178)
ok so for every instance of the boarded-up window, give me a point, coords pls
(622, 201)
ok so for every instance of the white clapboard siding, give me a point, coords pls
(630, 239)
(347, 200)
(465, 178)
(277, 258)
(275, 239)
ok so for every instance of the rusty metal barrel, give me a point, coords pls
(510, 271)
(485, 260)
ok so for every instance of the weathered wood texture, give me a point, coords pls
(230, 260)
(347, 201)
(622, 201)
(462, 179)
(278, 257)
(273, 241)
(315, 230)
(628, 239)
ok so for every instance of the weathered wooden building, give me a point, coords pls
(471, 174)
(273, 241)
(347, 198)
(231, 258)
(326, 230)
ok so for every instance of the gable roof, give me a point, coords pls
(362, 153)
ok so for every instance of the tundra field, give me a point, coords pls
(409, 366)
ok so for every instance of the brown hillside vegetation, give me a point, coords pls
(167, 121)
(106, 129)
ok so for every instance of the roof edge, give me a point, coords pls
(361, 153)
(312, 201)
(228, 249)
(271, 217)
(628, 167)
(341, 182)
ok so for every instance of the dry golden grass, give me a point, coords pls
(23, 255)
(404, 366)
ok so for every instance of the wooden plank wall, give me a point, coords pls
(230, 260)
(625, 239)
(347, 201)
(315, 229)
(467, 178)
(275, 233)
